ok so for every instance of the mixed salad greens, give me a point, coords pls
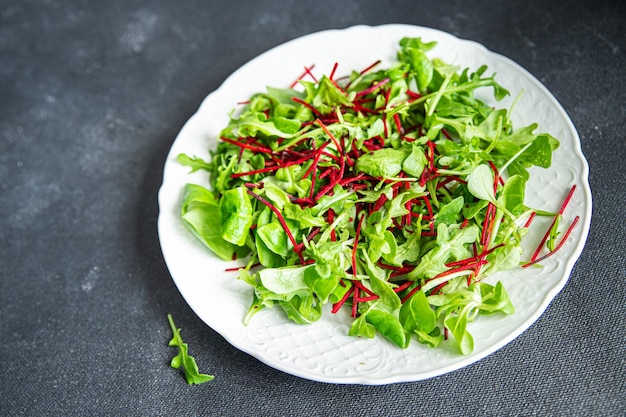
(389, 193)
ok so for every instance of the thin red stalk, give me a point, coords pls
(441, 275)
(410, 294)
(335, 180)
(368, 298)
(363, 71)
(477, 258)
(404, 269)
(438, 288)
(304, 103)
(332, 73)
(362, 287)
(430, 215)
(404, 286)
(429, 233)
(407, 218)
(307, 71)
(446, 134)
(325, 173)
(358, 107)
(379, 203)
(330, 135)
(424, 217)
(302, 201)
(371, 146)
(331, 156)
(387, 96)
(430, 169)
(272, 168)
(316, 158)
(561, 243)
(254, 185)
(311, 235)
(237, 268)
(355, 303)
(428, 206)
(281, 219)
(247, 146)
(330, 218)
(357, 234)
(337, 306)
(530, 219)
(457, 269)
(487, 223)
(497, 178)
(346, 181)
(396, 119)
(547, 234)
(413, 95)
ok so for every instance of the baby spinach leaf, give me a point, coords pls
(321, 285)
(284, 281)
(457, 324)
(302, 309)
(386, 163)
(480, 183)
(388, 325)
(415, 162)
(512, 195)
(361, 328)
(416, 314)
(201, 216)
(235, 214)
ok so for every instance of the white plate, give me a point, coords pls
(323, 351)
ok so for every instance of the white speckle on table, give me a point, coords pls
(615, 49)
(90, 279)
(138, 31)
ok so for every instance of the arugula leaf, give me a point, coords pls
(451, 244)
(183, 359)
(194, 162)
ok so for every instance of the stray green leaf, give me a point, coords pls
(182, 359)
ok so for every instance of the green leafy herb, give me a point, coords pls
(392, 194)
(182, 359)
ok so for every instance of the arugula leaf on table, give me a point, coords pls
(183, 359)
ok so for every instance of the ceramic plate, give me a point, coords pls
(323, 351)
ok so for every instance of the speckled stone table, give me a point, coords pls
(92, 95)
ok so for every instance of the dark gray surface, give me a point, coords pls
(92, 94)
